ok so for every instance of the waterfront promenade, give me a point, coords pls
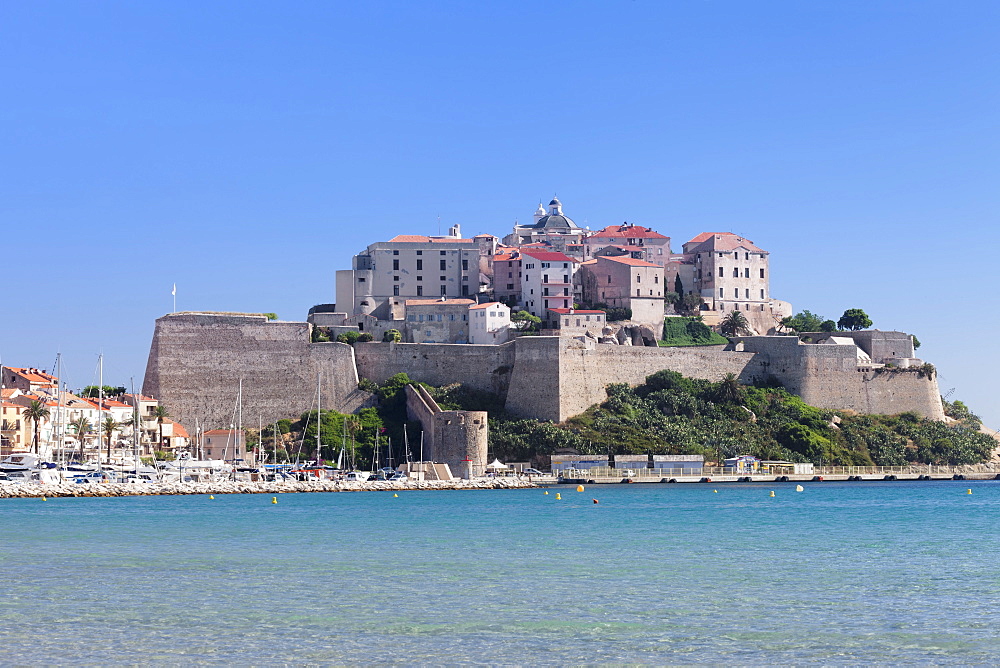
(712, 474)
(34, 490)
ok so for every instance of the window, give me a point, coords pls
(577, 322)
(720, 293)
(411, 318)
(420, 278)
(720, 272)
(420, 265)
(565, 278)
(747, 294)
(395, 265)
(609, 279)
(465, 265)
(736, 293)
(420, 252)
(762, 273)
(420, 291)
(465, 290)
(395, 291)
(444, 289)
(395, 278)
(545, 278)
(637, 291)
(638, 278)
(361, 280)
(736, 272)
(395, 252)
(656, 280)
(762, 293)
(546, 303)
(510, 274)
(439, 317)
(465, 317)
(746, 273)
(545, 292)
(565, 292)
(442, 252)
(747, 256)
(565, 265)
(510, 286)
(421, 317)
(444, 265)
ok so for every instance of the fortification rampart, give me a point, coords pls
(197, 360)
(196, 363)
(455, 438)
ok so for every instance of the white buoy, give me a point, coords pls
(800, 488)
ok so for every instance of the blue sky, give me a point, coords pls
(247, 150)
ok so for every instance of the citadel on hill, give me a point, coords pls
(440, 309)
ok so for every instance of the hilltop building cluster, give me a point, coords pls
(449, 289)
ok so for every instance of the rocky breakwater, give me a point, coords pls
(29, 490)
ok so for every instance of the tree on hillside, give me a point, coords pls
(854, 319)
(691, 303)
(805, 321)
(36, 412)
(734, 324)
(729, 390)
(916, 341)
(108, 391)
(525, 322)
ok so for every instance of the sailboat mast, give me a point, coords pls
(319, 414)
(100, 409)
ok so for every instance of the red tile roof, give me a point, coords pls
(723, 241)
(631, 261)
(419, 238)
(485, 305)
(627, 232)
(547, 256)
(424, 302)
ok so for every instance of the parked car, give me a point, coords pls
(400, 477)
(532, 472)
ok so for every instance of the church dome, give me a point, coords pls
(555, 219)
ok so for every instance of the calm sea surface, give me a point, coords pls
(890, 573)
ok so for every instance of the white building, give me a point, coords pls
(546, 281)
(489, 323)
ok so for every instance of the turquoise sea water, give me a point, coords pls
(852, 573)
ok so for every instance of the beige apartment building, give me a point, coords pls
(411, 266)
(625, 282)
(633, 240)
(440, 320)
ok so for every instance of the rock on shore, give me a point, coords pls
(32, 490)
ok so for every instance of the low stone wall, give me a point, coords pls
(25, 491)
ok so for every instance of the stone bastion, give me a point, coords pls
(197, 360)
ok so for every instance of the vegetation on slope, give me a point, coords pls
(689, 332)
(668, 414)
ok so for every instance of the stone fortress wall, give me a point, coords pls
(197, 359)
(196, 362)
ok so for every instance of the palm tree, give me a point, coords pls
(110, 425)
(161, 414)
(734, 324)
(82, 427)
(36, 412)
(729, 390)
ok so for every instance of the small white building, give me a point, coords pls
(564, 463)
(489, 323)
